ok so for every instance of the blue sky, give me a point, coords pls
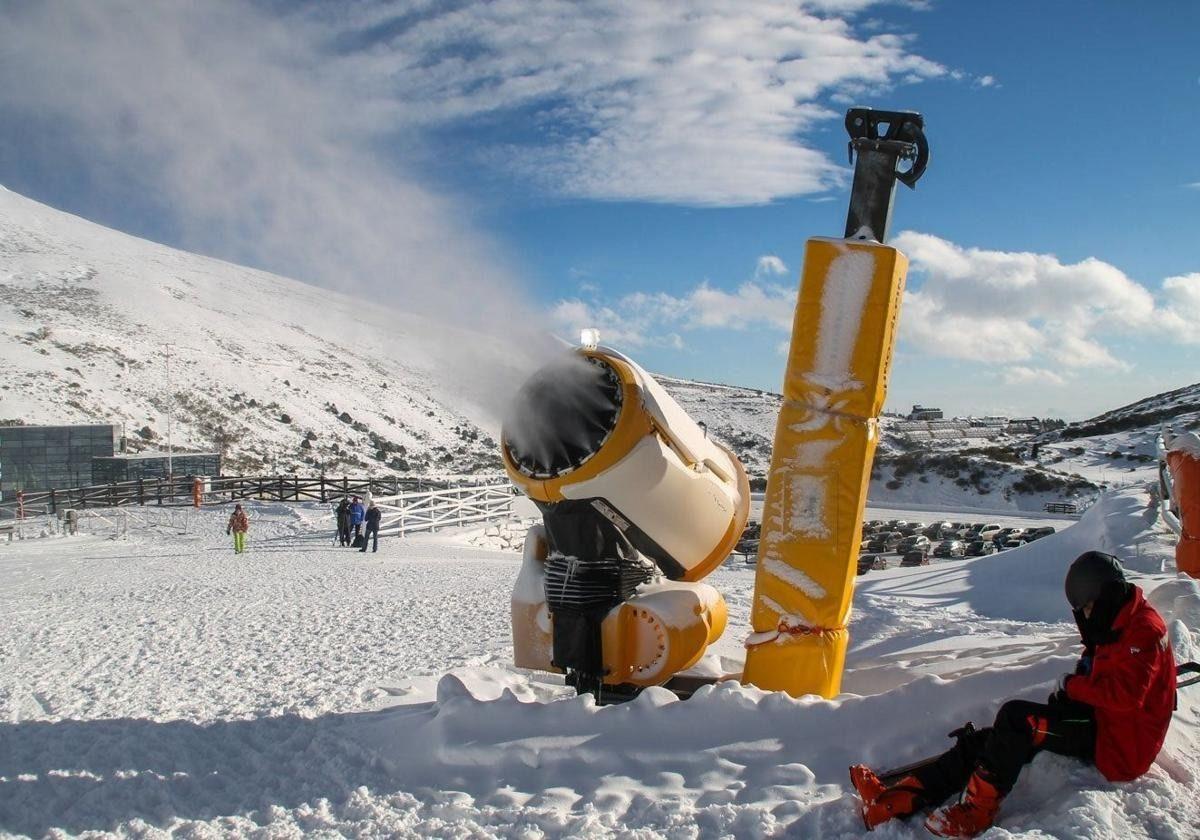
(623, 165)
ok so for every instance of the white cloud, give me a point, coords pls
(1004, 307)
(1195, 185)
(1181, 298)
(1020, 375)
(972, 335)
(752, 304)
(1035, 318)
(634, 99)
(637, 320)
(642, 319)
(769, 264)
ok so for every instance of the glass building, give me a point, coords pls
(117, 468)
(52, 457)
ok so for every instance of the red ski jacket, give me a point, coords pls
(1132, 687)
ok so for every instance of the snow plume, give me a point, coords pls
(1002, 307)
(235, 128)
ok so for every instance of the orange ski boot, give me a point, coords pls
(973, 814)
(881, 802)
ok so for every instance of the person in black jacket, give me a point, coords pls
(343, 521)
(374, 514)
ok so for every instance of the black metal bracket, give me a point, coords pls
(882, 140)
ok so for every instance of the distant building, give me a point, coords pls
(1028, 425)
(920, 412)
(50, 457)
(150, 465)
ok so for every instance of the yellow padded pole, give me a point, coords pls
(841, 350)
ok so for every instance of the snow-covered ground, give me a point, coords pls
(161, 685)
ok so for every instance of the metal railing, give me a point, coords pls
(407, 513)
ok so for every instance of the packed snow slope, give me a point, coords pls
(280, 375)
(160, 685)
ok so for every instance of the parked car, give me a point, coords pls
(916, 542)
(937, 530)
(884, 542)
(871, 561)
(1011, 543)
(986, 532)
(1003, 534)
(748, 544)
(914, 558)
(950, 548)
(1037, 533)
(980, 548)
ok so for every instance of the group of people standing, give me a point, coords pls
(352, 515)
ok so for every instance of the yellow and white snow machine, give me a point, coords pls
(639, 504)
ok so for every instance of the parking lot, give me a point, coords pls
(893, 537)
(919, 542)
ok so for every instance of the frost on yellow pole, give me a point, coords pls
(842, 338)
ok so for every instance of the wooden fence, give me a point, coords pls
(1061, 507)
(177, 492)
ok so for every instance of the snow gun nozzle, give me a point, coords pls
(883, 141)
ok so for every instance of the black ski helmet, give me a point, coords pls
(1088, 575)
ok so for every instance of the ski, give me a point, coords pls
(1187, 668)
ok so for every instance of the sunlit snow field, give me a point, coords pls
(160, 684)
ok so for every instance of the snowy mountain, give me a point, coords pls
(286, 377)
(1118, 446)
(280, 375)
(997, 475)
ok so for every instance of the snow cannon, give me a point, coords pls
(638, 505)
(841, 350)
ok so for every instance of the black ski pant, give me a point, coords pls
(372, 532)
(1022, 730)
(344, 532)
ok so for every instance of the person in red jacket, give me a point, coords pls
(1113, 711)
